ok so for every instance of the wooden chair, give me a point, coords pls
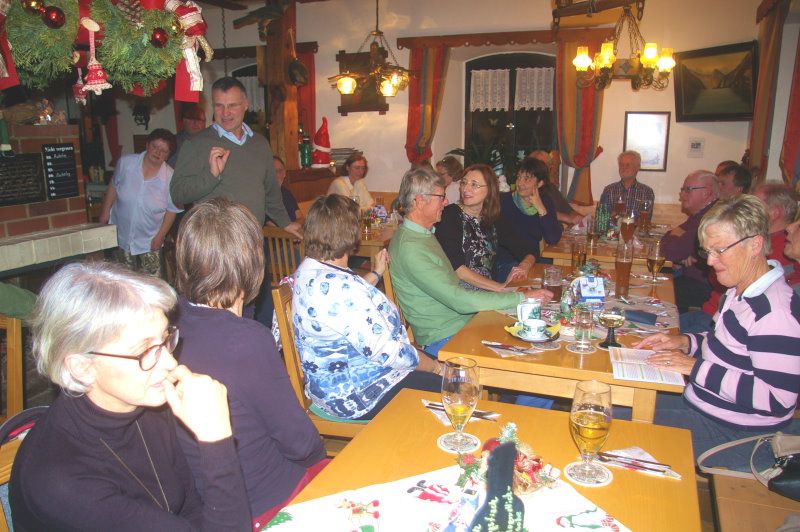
(282, 298)
(283, 254)
(7, 454)
(388, 289)
(14, 371)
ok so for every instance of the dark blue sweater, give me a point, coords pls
(531, 228)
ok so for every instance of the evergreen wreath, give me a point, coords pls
(126, 52)
(41, 54)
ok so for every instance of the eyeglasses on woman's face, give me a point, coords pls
(707, 253)
(150, 356)
(472, 185)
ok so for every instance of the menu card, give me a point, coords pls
(631, 365)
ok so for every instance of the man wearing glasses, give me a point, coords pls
(699, 192)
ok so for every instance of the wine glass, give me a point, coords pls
(589, 422)
(460, 392)
(584, 326)
(655, 259)
(611, 318)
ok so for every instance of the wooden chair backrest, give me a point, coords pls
(14, 373)
(7, 454)
(388, 289)
(283, 254)
(282, 298)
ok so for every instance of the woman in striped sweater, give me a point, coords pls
(744, 374)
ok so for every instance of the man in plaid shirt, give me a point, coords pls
(628, 188)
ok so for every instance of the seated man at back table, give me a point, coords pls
(427, 288)
(699, 192)
(627, 190)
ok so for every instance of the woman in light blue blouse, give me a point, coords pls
(354, 349)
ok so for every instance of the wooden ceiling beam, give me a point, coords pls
(505, 38)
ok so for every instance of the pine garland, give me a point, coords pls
(41, 54)
(126, 52)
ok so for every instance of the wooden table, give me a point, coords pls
(553, 372)
(604, 252)
(743, 505)
(378, 239)
(401, 442)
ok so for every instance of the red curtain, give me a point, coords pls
(772, 15)
(790, 154)
(578, 121)
(426, 88)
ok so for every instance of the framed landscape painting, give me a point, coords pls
(716, 84)
(648, 133)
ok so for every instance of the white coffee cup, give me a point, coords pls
(534, 329)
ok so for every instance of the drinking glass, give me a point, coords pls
(611, 318)
(592, 233)
(622, 265)
(619, 206)
(578, 255)
(627, 226)
(645, 217)
(460, 391)
(584, 326)
(655, 259)
(589, 422)
(552, 281)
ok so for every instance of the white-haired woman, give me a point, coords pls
(104, 456)
(744, 374)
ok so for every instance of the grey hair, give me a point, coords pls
(415, 182)
(780, 196)
(631, 153)
(709, 179)
(84, 306)
(745, 214)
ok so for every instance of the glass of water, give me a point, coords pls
(584, 326)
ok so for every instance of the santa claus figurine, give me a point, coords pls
(321, 156)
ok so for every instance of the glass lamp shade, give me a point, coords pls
(582, 60)
(666, 63)
(650, 55)
(388, 89)
(606, 57)
(346, 85)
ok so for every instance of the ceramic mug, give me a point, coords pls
(530, 308)
(534, 329)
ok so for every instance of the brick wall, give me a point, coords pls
(21, 219)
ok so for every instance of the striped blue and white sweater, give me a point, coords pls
(748, 372)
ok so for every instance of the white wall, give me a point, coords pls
(343, 24)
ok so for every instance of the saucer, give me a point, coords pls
(546, 338)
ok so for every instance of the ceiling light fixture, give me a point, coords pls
(389, 76)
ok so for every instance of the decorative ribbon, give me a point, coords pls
(190, 18)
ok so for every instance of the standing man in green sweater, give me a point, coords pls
(228, 159)
(427, 288)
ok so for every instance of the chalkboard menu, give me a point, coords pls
(21, 179)
(60, 173)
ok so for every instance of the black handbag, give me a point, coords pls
(783, 477)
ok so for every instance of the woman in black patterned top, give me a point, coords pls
(471, 231)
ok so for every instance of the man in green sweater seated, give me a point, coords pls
(426, 286)
(229, 160)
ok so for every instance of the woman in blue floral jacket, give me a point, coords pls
(354, 349)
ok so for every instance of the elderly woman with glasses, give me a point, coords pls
(744, 374)
(532, 212)
(355, 351)
(471, 232)
(105, 456)
(138, 202)
(352, 184)
(220, 267)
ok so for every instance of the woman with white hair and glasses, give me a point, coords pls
(744, 374)
(105, 455)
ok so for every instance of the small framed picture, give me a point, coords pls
(648, 133)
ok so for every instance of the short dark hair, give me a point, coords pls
(331, 228)
(742, 177)
(724, 165)
(227, 83)
(490, 210)
(165, 135)
(534, 167)
(219, 254)
(452, 166)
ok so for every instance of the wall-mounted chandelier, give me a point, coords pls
(645, 68)
(389, 76)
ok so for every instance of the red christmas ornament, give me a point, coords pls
(53, 17)
(159, 38)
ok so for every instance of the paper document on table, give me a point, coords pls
(631, 365)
